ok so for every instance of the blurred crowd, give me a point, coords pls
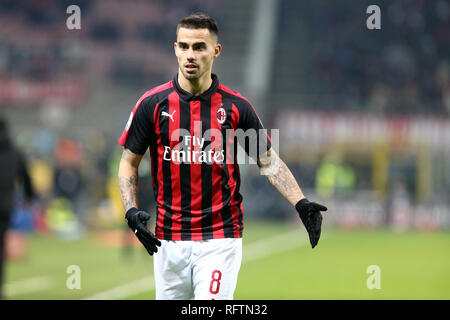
(403, 67)
(127, 43)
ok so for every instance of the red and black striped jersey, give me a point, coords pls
(193, 150)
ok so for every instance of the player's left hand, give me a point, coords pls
(312, 218)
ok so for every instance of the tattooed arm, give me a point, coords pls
(128, 178)
(280, 176)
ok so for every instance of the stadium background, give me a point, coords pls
(364, 126)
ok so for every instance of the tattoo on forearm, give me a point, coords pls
(285, 183)
(128, 179)
(129, 188)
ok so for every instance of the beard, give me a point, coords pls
(191, 76)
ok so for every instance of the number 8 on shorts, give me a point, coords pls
(214, 287)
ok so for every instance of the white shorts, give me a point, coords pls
(201, 270)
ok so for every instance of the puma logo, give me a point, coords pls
(169, 115)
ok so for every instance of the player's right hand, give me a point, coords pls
(137, 221)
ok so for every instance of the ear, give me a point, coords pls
(217, 50)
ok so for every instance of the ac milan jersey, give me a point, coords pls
(193, 149)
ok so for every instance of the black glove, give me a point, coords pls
(312, 219)
(137, 221)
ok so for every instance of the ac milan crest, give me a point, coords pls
(221, 115)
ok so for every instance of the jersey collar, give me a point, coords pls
(187, 96)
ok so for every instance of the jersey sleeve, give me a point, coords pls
(139, 130)
(255, 133)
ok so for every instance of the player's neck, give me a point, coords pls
(195, 87)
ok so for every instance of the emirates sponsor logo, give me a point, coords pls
(193, 156)
(217, 146)
(192, 149)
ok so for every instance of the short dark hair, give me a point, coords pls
(199, 20)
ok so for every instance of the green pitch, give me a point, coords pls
(278, 263)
